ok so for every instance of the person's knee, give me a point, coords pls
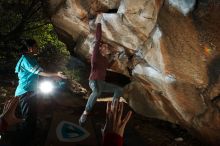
(92, 99)
(96, 92)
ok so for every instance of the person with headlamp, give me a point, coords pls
(28, 72)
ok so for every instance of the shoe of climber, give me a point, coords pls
(82, 119)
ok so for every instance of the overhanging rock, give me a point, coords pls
(174, 71)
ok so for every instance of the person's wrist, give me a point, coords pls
(118, 132)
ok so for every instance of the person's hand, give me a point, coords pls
(114, 121)
(9, 112)
(61, 75)
(99, 18)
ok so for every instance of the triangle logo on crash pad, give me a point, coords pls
(70, 132)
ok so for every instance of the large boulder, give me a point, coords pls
(170, 53)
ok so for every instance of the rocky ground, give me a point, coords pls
(140, 131)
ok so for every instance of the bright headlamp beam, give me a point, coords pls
(46, 87)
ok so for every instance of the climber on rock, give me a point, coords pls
(99, 63)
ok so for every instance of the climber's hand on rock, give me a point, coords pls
(99, 18)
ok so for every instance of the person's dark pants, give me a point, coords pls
(27, 104)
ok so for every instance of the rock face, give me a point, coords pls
(171, 55)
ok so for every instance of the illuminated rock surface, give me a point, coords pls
(170, 54)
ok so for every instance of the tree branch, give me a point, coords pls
(34, 11)
(26, 16)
